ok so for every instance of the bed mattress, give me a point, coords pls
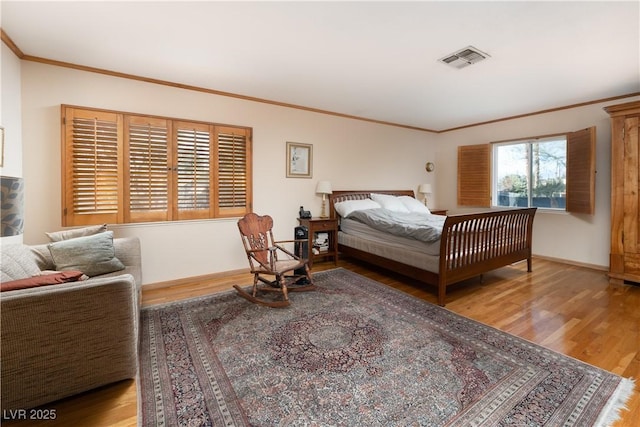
(358, 229)
(407, 251)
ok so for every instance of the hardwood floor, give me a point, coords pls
(570, 309)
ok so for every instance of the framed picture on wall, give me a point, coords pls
(1, 146)
(299, 160)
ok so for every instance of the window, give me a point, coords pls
(531, 173)
(554, 172)
(127, 168)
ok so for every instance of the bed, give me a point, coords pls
(468, 246)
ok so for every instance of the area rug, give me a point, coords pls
(356, 353)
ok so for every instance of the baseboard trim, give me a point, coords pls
(223, 274)
(604, 268)
(194, 279)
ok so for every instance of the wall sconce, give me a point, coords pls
(430, 166)
(12, 206)
(425, 189)
(324, 188)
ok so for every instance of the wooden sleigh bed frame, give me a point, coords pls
(471, 244)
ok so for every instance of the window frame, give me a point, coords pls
(528, 143)
(475, 172)
(123, 212)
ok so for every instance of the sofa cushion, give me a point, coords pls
(93, 255)
(17, 262)
(59, 236)
(42, 280)
(42, 256)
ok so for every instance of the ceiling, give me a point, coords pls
(374, 60)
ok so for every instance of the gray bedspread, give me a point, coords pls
(419, 226)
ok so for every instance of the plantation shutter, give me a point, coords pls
(233, 172)
(474, 175)
(581, 171)
(130, 168)
(147, 146)
(193, 170)
(92, 166)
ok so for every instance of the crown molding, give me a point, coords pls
(21, 55)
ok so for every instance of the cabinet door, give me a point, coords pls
(631, 226)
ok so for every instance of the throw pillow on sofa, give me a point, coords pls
(54, 278)
(17, 262)
(59, 236)
(93, 255)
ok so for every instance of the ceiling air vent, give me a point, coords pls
(464, 57)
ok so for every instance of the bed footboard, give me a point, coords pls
(473, 244)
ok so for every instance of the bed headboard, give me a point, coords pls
(339, 196)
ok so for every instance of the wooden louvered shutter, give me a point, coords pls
(233, 169)
(474, 175)
(92, 166)
(581, 171)
(147, 161)
(127, 168)
(193, 173)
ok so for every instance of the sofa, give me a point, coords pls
(62, 339)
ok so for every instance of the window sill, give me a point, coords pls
(540, 210)
(552, 211)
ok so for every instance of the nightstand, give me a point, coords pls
(323, 238)
(439, 211)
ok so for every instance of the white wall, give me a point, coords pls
(352, 154)
(10, 119)
(583, 239)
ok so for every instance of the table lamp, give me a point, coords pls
(425, 189)
(12, 213)
(324, 188)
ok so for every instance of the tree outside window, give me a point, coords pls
(531, 173)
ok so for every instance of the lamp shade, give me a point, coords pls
(323, 187)
(12, 213)
(424, 189)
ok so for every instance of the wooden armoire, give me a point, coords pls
(624, 258)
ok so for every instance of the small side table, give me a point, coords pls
(322, 225)
(439, 211)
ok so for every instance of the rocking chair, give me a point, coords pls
(286, 271)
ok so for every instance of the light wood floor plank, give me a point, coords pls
(569, 309)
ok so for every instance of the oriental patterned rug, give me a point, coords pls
(356, 353)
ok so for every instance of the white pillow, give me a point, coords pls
(389, 202)
(414, 205)
(348, 206)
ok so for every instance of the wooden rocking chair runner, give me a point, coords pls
(269, 258)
